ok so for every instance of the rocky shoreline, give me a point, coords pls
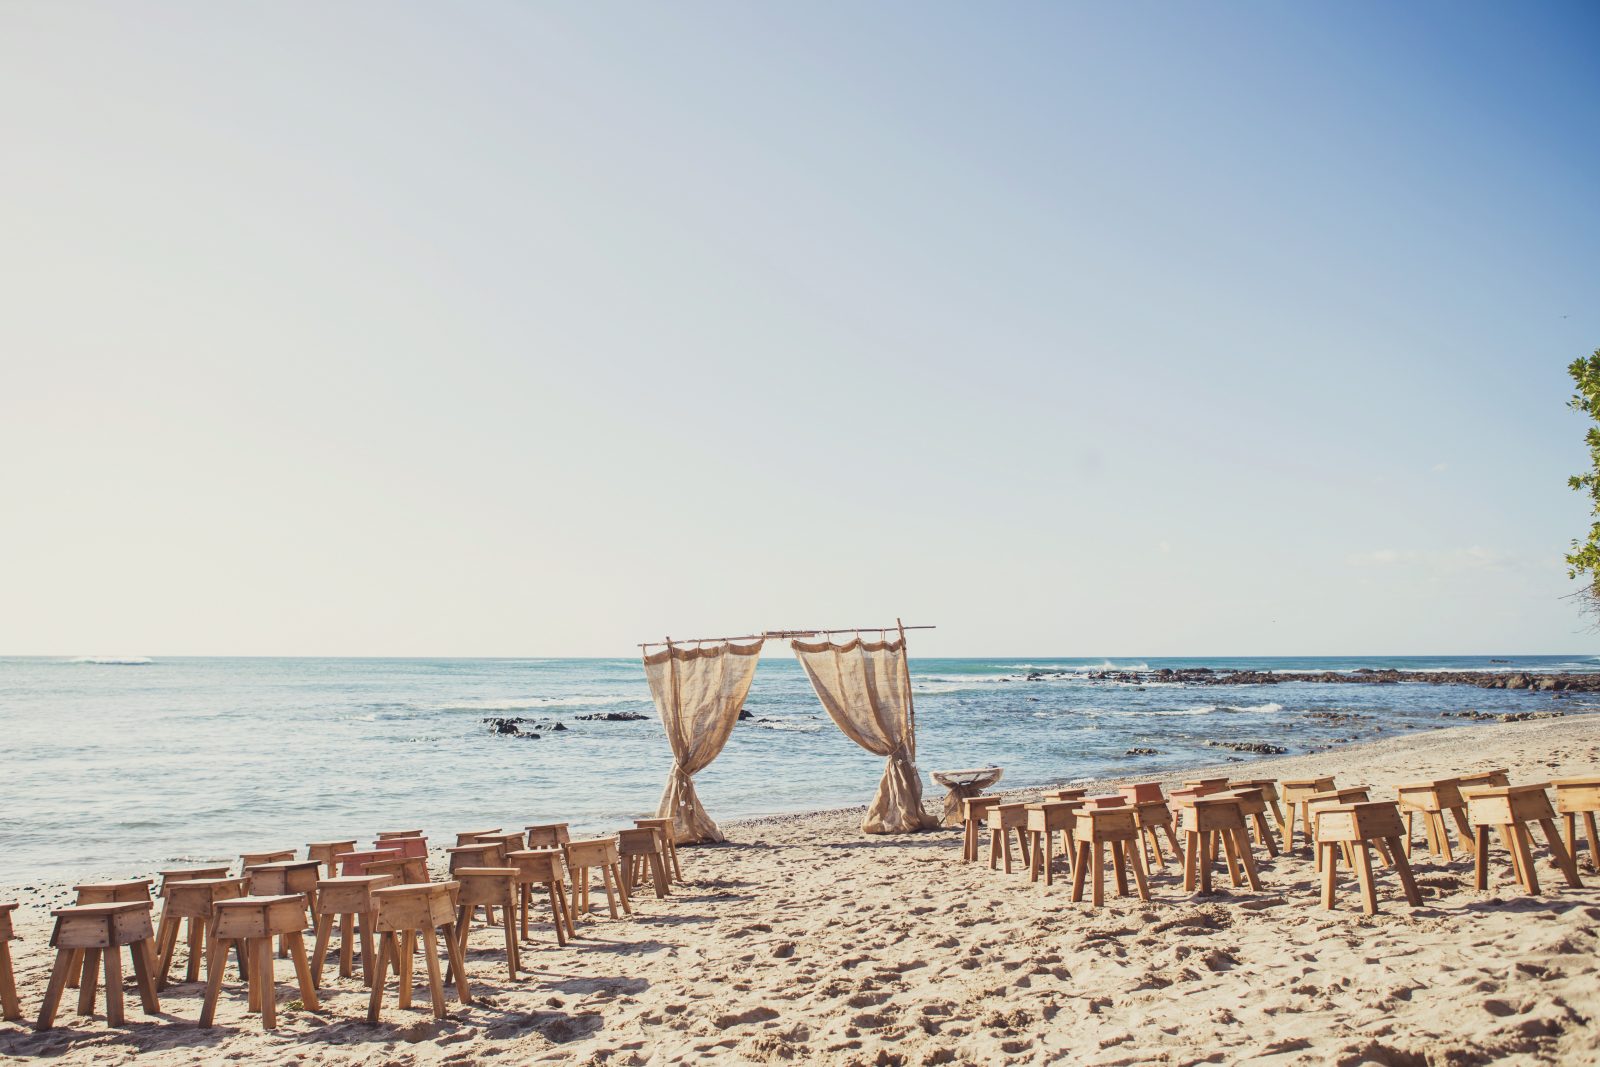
(1546, 683)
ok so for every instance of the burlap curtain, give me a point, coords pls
(866, 690)
(698, 692)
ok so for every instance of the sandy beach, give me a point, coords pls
(805, 941)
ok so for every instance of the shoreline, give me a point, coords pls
(804, 941)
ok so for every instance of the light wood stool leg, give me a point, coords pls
(1564, 859)
(10, 1006)
(1402, 867)
(144, 977)
(430, 948)
(52, 993)
(302, 970)
(1369, 891)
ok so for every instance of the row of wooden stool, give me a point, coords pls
(1340, 823)
(381, 899)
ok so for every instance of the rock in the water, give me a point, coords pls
(1260, 748)
(1141, 752)
(744, 715)
(610, 716)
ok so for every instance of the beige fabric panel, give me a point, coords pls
(863, 686)
(698, 694)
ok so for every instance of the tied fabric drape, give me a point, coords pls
(866, 690)
(698, 692)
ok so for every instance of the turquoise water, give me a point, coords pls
(140, 765)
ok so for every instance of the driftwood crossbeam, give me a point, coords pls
(770, 635)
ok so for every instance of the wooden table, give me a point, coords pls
(963, 784)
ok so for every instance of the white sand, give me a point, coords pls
(809, 943)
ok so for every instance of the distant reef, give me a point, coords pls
(1548, 683)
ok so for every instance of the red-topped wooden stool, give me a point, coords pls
(1510, 809)
(467, 837)
(355, 863)
(1351, 828)
(10, 1006)
(194, 901)
(408, 912)
(256, 859)
(542, 866)
(99, 932)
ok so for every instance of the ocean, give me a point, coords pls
(116, 767)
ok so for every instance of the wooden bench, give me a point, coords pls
(96, 934)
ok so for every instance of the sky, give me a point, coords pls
(1074, 329)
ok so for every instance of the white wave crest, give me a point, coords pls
(114, 661)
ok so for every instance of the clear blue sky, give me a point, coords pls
(516, 329)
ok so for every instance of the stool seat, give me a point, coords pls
(555, 834)
(99, 931)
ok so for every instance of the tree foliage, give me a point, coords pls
(1584, 559)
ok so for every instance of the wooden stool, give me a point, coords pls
(355, 863)
(1354, 827)
(194, 900)
(98, 932)
(1491, 779)
(413, 911)
(468, 837)
(1431, 799)
(1002, 819)
(1095, 828)
(1575, 797)
(1065, 794)
(1253, 803)
(1046, 818)
(285, 876)
(348, 899)
(973, 812)
(10, 1006)
(1334, 798)
(250, 924)
(542, 866)
(197, 924)
(386, 834)
(1142, 792)
(554, 834)
(256, 859)
(478, 854)
(1511, 808)
(404, 870)
(510, 841)
(602, 853)
(645, 856)
(1152, 816)
(1205, 819)
(492, 887)
(1206, 785)
(325, 853)
(1269, 793)
(410, 847)
(134, 891)
(1295, 793)
(669, 836)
